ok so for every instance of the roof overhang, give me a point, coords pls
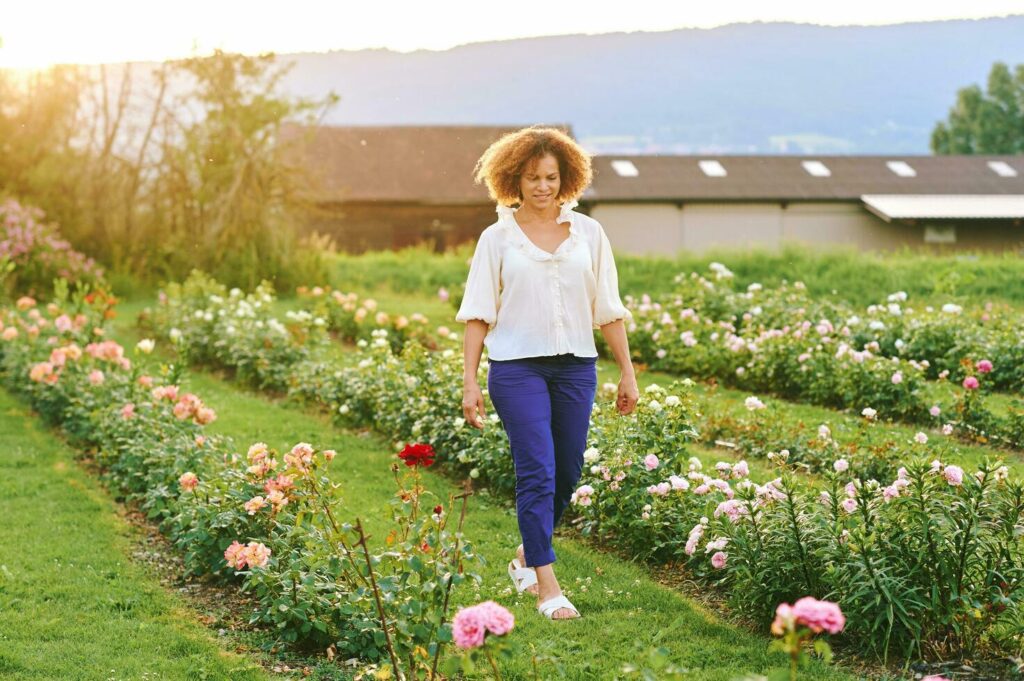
(891, 207)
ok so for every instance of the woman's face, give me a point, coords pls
(540, 182)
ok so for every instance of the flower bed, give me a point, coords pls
(924, 558)
(781, 341)
(265, 520)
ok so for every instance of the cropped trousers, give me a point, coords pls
(544, 404)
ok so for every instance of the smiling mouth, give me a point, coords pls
(543, 196)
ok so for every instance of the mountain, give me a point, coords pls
(742, 88)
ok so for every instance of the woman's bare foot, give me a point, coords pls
(532, 589)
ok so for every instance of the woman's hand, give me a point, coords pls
(629, 393)
(473, 404)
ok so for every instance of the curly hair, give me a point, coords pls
(504, 162)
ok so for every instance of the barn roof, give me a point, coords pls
(789, 178)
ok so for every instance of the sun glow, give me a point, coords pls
(45, 32)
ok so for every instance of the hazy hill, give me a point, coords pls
(743, 88)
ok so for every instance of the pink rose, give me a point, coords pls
(235, 556)
(651, 461)
(971, 383)
(719, 559)
(128, 411)
(188, 481)
(819, 616)
(96, 377)
(897, 378)
(497, 619)
(954, 475)
(204, 416)
(257, 554)
(984, 366)
(469, 627)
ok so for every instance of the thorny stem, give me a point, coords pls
(380, 605)
(337, 531)
(448, 587)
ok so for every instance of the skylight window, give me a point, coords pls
(816, 168)
(625, 168)
(1002, 169)
(901, 168)
(712, 168)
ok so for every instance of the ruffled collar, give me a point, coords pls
(506, 216)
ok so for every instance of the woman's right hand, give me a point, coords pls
(473, 404)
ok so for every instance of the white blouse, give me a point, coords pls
(537, 303)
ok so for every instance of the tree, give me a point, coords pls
(985, 123)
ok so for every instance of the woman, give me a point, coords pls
(541, 280)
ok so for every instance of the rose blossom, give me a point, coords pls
(188, 481)
(235, 556)
(971, 383)
(498, 620)
(984, 366)
(582, 495)
(753, 404)
(471, 625)
(651, 461)
(719, 559)
(818, 616)
(841, 465)
(257, 554)
(254, 505)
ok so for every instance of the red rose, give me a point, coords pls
(438, 509)
(418, 454)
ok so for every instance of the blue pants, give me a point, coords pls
(544, 404)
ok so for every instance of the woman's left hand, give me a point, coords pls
(629, 393)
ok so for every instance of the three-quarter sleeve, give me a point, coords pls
(608, 305)
(482, 298)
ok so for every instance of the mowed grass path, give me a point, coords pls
(624, 610)
(72, 603)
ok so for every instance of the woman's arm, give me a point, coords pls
(615, 336)
(472, 348)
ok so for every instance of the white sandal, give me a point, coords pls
(522, 577)
(548, 607)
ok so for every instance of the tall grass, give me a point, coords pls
(860, 278)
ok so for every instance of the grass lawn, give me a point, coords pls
(73, 605)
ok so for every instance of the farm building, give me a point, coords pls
(396, 186)
(663, 204)
(393, 186)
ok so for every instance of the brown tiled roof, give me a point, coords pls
(679, 178)
(422, 164)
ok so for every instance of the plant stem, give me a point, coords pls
(494, 666)
(380, 605)
(448, 587)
